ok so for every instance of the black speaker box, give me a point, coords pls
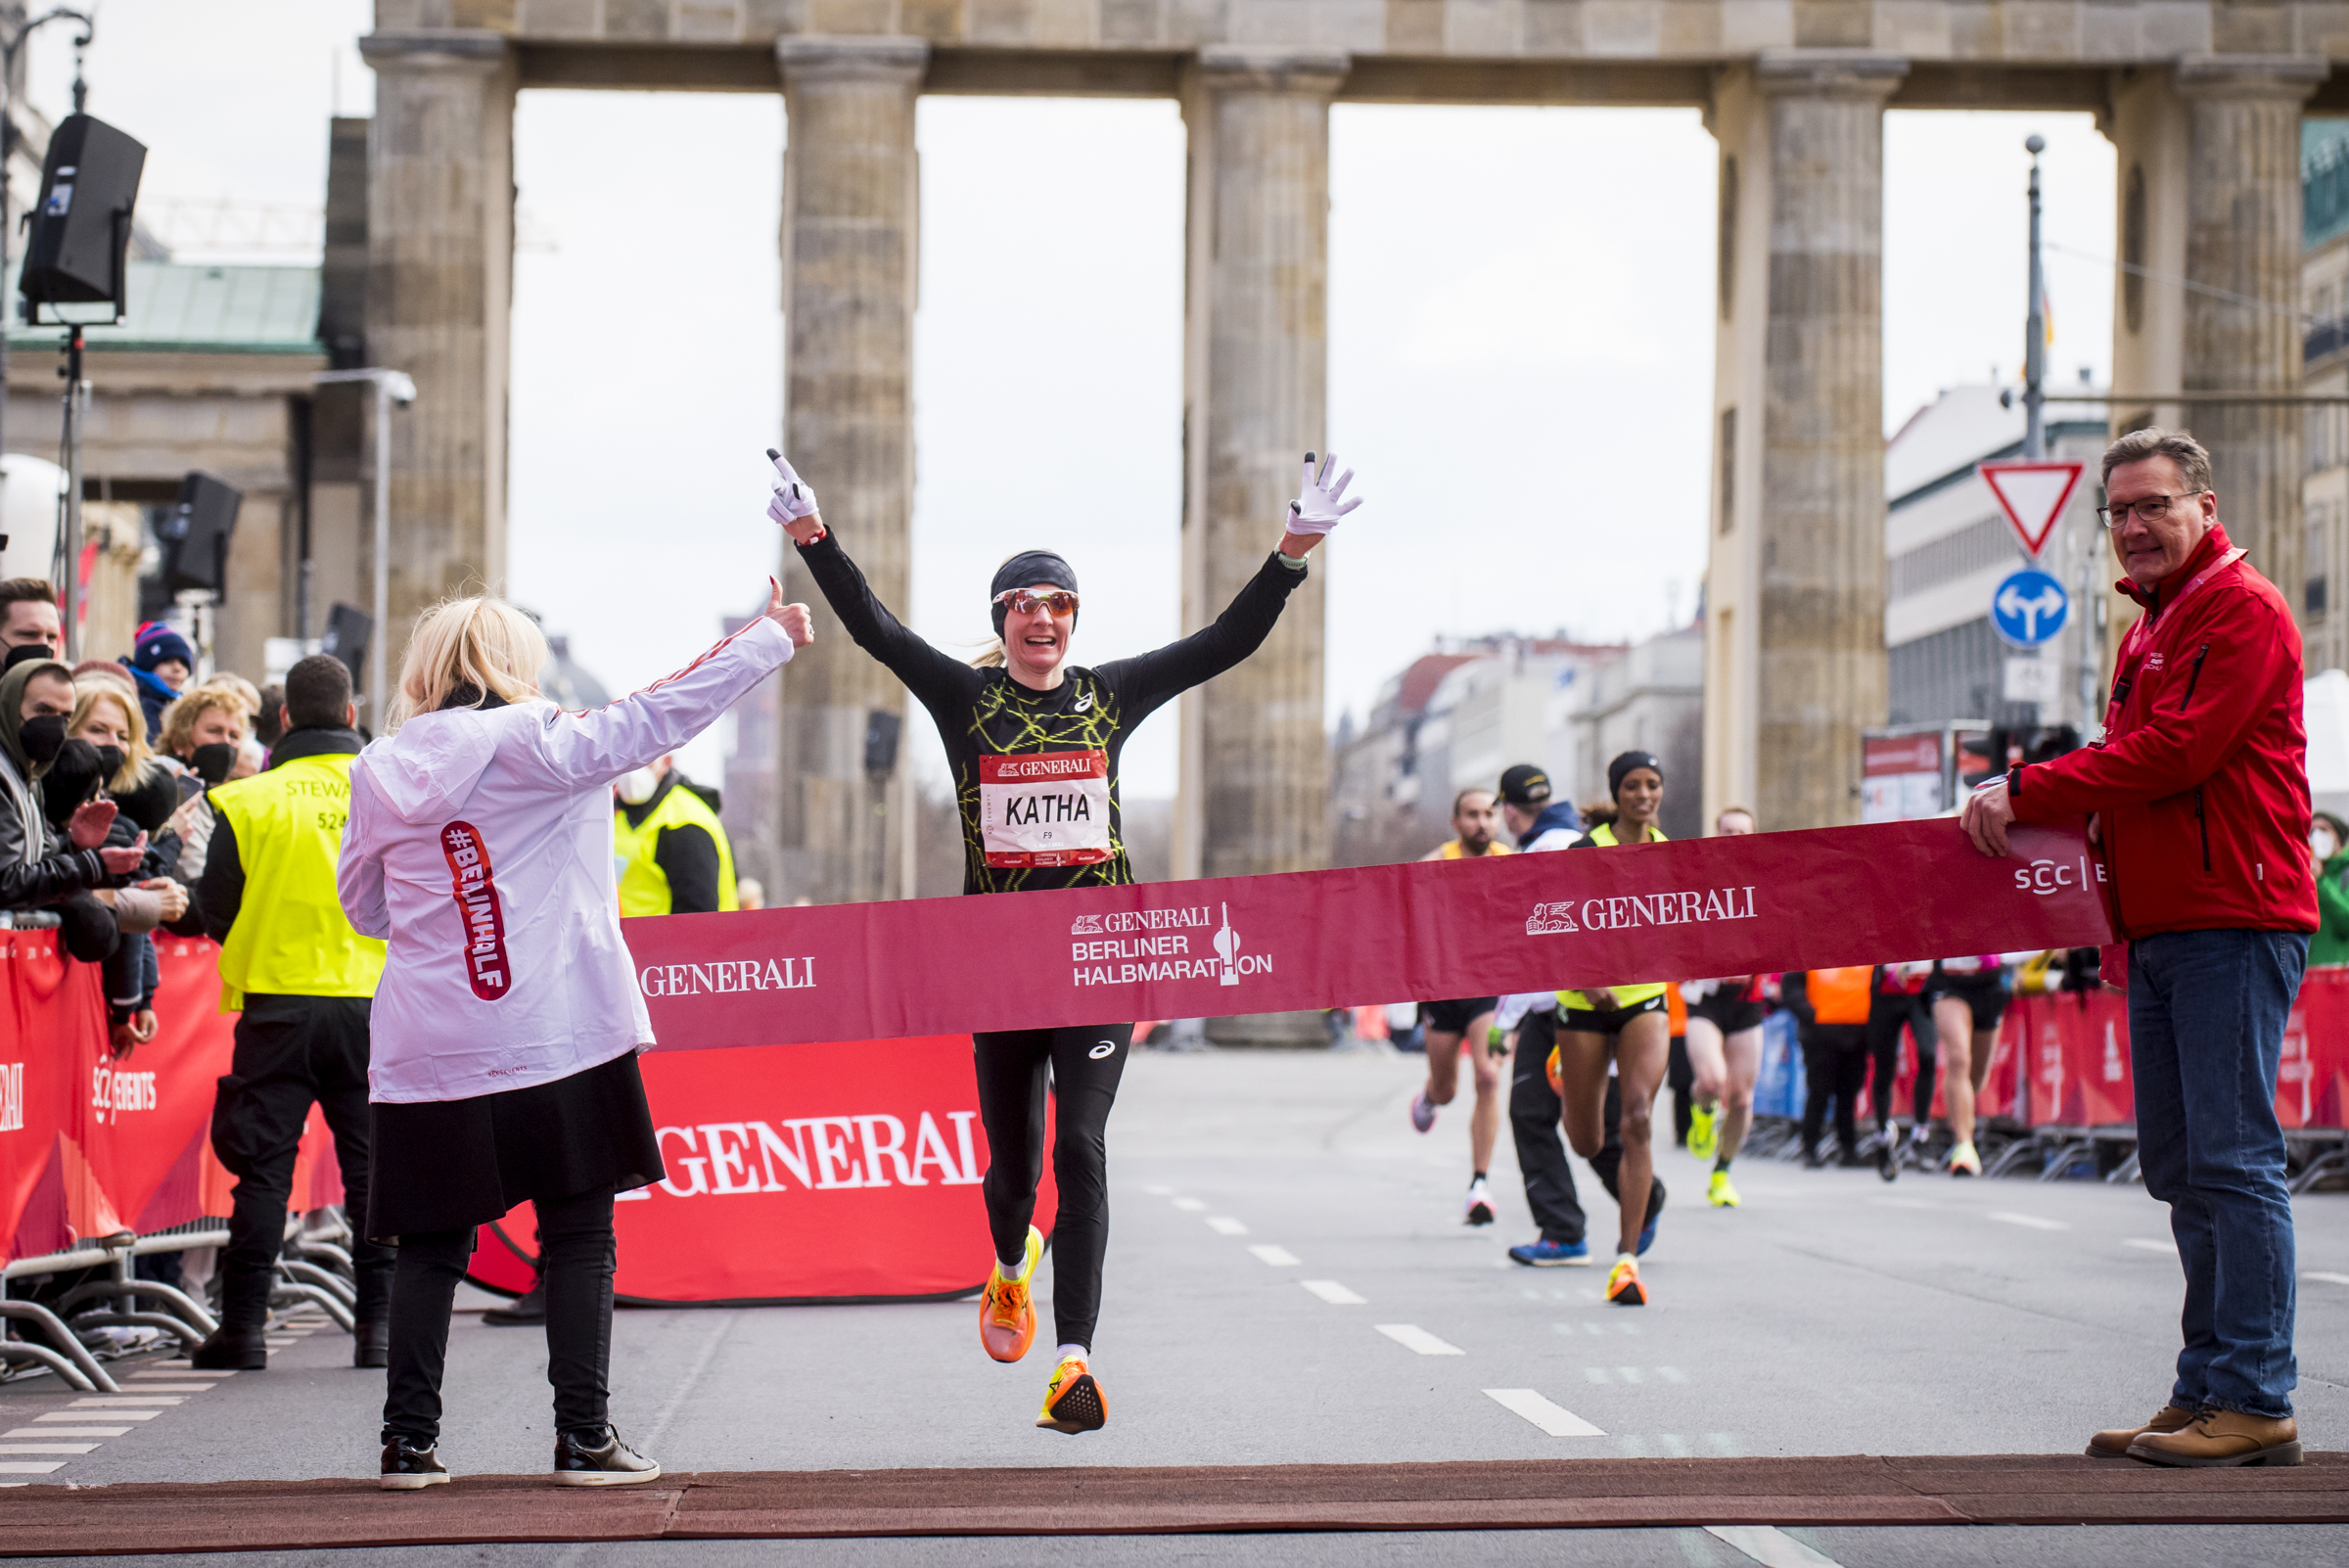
(346, 634)
(197, 534)
(881, 731)
(81, 224)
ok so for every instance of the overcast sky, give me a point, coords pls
(1520, 337)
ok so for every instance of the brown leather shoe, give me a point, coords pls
(2114, 1443)
(2221, 1438)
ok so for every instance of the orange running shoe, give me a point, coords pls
(1007, 1309)
(1622, 1284)
(1557, 1079)
(1073, 1400)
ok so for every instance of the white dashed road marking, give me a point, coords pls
(31, 1468)
(1551, 1418)
(1276, 1257)
(2330, 1280)
(106, 1415)
(1410, 1336)
(1331, 1291)
(2148, 1244)
(48, 1448)
(1224, 1224)
(1770, 1547)
(62, 1431)
(102, 1400)
(2030, 1221)
(1191, 1205)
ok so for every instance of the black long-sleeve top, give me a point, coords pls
(985, 714)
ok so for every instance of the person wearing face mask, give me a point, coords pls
(41, 866)
(1033, 742)
(673, 854)
(202, 732)
(2329, 854)
(29, 616)
(106, 727)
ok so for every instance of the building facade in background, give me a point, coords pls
(2325, 347)
(1452, 718)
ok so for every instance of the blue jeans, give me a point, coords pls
(2206, 1015)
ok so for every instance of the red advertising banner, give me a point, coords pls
(1763, 902)
(801, 1174)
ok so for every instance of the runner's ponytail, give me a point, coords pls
(992, 656)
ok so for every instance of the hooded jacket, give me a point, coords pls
(479, 847)
(37, 866)
(2201, 779)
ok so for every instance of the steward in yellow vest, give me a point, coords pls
(301, 981)
(670, 851)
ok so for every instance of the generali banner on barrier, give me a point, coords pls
(1763, 902)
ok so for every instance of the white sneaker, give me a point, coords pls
(1480, 1210)
(1423, 1113)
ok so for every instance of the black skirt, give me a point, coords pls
(442, 1165)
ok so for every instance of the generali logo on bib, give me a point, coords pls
(1625, 912)
(1191, 943)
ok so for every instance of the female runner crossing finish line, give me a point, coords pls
(1033, 742)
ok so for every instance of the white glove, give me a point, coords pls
(1319, 506)
(793, 499)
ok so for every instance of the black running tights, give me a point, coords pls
(1887, 1014)
(576, 1253)
(1081, 1067)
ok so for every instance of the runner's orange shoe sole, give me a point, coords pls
(1007, 1308)
(1073, 1400)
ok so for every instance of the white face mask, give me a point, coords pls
(2321, 838)
(638, 787)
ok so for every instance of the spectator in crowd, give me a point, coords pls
(269, 719)
(2329, 857)
(162, 663)
(29, 616)
(302, 980)
(42, 867)
(750, 894)
(106, 718)
(201, 734)
(1898, 1003)
(2198, 801)
(1830, 1008)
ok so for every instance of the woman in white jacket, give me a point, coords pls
(507, 1023)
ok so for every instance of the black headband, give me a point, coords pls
(1024, 570)
(1626, 763)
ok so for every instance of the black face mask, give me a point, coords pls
(212, 763)
(110, 760)
(43, 738)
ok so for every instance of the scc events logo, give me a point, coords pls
(1683, 907)
(1161, 948)
(2046, 878)
(816, 1154)
(112, 1092)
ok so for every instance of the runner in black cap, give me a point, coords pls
(1033, 742)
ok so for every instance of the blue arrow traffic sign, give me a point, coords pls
(2028, 608)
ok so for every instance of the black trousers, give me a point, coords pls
(1834, 1066)
(290, 1051)
(1533, 1127)
(1081, 1067)
(1887, 1014)
(1681, 1075)
(577, 1255)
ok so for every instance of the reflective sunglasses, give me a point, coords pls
(1027, 601)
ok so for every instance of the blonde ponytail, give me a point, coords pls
(991, 657)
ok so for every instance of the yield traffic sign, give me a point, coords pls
(2033, 496)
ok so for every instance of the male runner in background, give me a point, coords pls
(1447, 1025)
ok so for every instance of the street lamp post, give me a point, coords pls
(390, 386)
(2034, 329)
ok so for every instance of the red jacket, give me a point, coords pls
(2201, 778)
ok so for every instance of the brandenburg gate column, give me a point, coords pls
(1795, 587)
(2243, 245)
(1254, 763)
(440, 285)
(850, 205)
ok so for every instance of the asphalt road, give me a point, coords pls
(1289, 1281)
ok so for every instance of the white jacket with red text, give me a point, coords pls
(480, 846)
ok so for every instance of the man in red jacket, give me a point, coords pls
(2198, 796)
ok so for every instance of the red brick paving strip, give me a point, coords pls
(1853, 1490)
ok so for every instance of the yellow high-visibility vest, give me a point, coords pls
(290, 936)
(1603, 836)
(643, 885)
